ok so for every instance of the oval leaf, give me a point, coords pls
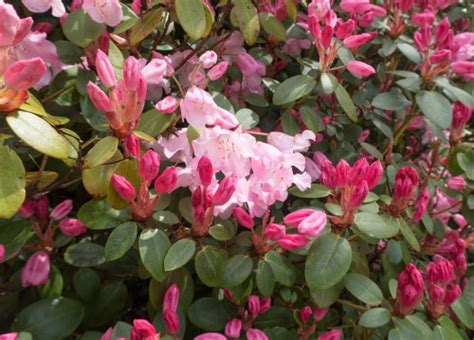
(101, 152)
(120, 240)
(236, 270)
(81, 29)
(293, 89)
(435, 107)
(179, 254)
(375, 317)
(376, 225)
(12, 182)
(192, 17)
(153, 245)
(364, 289)
(210, 266)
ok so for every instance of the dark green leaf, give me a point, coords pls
(84, 254)
(98, 215)
(393, 100)
(315, 191)
(120, 240)
(179, 254)
(364, 289)
(375, 317)
(265, 278)
(375, 225)
(236, 270)
(153, 245)
(209, 264)
(209, 314)
(80, 29)
(346, 102)
(293, 89)
(281, 267)
(435, 107)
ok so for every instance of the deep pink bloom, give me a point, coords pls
(105, 70)
(98, 97)
(410, 289)
(421, 204)
(225, 190)
(265, 304)
(305, 313)
(345, 29)
(360, 69)
(292, 241)
(357, 40)
(167, 105)
(354, 6)
(274, 231)
(334, 334)
(205, 170)
(9, 336)
(218, 70)
(462, 67)
(72, 227)
(436, 293)
(171, 320)
(61, 210)
(104, 11)
(320, 313)
(461, 115)
(326, 36)
(171, 298)
(358, 195)
(149, 166)
(342, 171)
(41, 6)
(294, 218)
(210, 336)
(23, 74)
(142, 330)
(314, 224)
(233, 328)
(27, 208)
(36, 270)
(123, 187)
(358, 171)
(374, 174)
(420, 19)
(2, 252)
(440, 270)
(243, 217)
(440, 56)
(166, 182)
(253, 304)
(406, 181)
(452, 294)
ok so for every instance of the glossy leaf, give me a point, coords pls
(120, 240)
(179, 254)
(293, 89)
(153, 245)
(12, 182)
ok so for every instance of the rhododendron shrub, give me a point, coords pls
(236, 169)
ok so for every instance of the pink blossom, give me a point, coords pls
(166, 182)
(155, 71)
(359, 194)
(210, 336)
(61, 210)
(421, 204)
(334, 334)
(218, 70)
(104, 11)
(12, 28)
(319, 8)
(305, 313)
(274, 231)
(233, 328)
(225, 190)
(294, 218)
(420, 19)
(208, 59)
(72, 227)
(440, 56)
(142, 329)
(41, 6)
(9, 336)
(23, 74)
(360, 69)
(167, 105)
(314, 224)
(2, 252)
(36, 270)
(460, 220)
(456, 183)
(149, 166)
(320, 313)
(462, 67)
(354, 6)
(256, 334)
(410, 289)
(452, 294)
(356, 41)
(243, 217)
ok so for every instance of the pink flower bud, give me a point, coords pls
(358, 171)
(23, 74)
(206, 171)
(442, 31)
(320, 313)
(171, 298)
(295, 218)
(256, 334)
(36, 270)
(131, 73)
(419, 42)
(406, 181)
(210, 336)
(374, 174)
(314, 27)
(123, 187)
(344, 30)
(358, 40)
(462, 67)
(166, 182)
(358, 195)
(42, 208)
(292, 241)
(314, 224)
(132, 146)
(27, 208)
(218, 70)
(99, 98)
(452, 294)
(105, 69)
(208, 59)
(456, 183)
(141, 89)
(2, 252)
(225, 190)
(149, 166)
(167, 105)
(265, 304)
(72, 227)
(342, 170)
(107, 335)
(440, 270)
(436, 293)
(421, 205)
(460, 220)
(326, 36)
(172, 321)
(420, 19)
(9, 336)
(253, 304)
(334, 334)
(410, 289)
(142, 329)
(233, 328)
(360, 69)
(440, 57)
(461, 115)
(61, 210)
(243, 217)
(274, 231)
(363, 136)
(305, 313)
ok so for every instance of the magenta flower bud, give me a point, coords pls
(225, 190)
(171, 321)
(171, 298)
(342, 170)
(410, 289)
(462, 67)
(359, 194)
(141, 89)
(460, 220)
(374, 174)
(419, 42)
(9, 336)
(358, 171)
(36, 270)
(436, 293)
(61, 210)
(452, 294)
(305, 313)
(218, 70)
(295, 218)
(320, 313)
(72, 227)
(421, 205)
(344, 30)
(314, 224)
(424, 18)
(142, 329)
(358, 40)
(441, 31)
(360, 69)
(42, 208)
(210, 336)
(256, 334)
(326, 36)
(265, 304)
(243, 217)
(149, 166)
(440, 270)
(367, 19)
(233, 328)
(108, 334)
(132, 146)
(23, 74)
(98, 97)
(274, 231)
(440, 57)
(2, 252)
(406, 181)
(131, 73)
(334, 334)
(461, 115)
(123, 187)
(105, 69)
(253, 304)
(205, 170)
(292, 241)
(166, 182)
(208, 59)
(167, 105)
(27, 208)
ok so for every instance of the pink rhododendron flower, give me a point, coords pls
(104, 11)
(41, 6)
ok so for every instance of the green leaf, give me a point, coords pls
(129, 20)
(98, 215)
(247, 118)
(121, 330)
(435, 107)
(14, 235)
(375, 317)
(129, 169)
(326, 297)
(408, 234)
(153, 246)
(328, 261)
(96, 180)
(329, 83)
(410, 52)
(372, 150)
(450, 328)
(54, 287)
(344, 99)
(293, 89)
(289, 124)
(192, 17)
(463, 311)
(166, 217)
(315, 191)
(275, 316)
(179, 254)
(236, 270)
(412, 327)
(68, 52)
(364, 289)
(38, 134)
(466, 162)
(265, 278)
(281, 267)
(84, 254)
(393, 100)
(185, 283)
(468, 292)
(209, 314)
(80, 29)
(375, 225)
(209, 264)
(101, 152)
(148, 23)
(245, 16)
(223, 231)
(86, 284)
(12, 182)
(311, 119)
(120, 240)
(273, 26)
(50, 318)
